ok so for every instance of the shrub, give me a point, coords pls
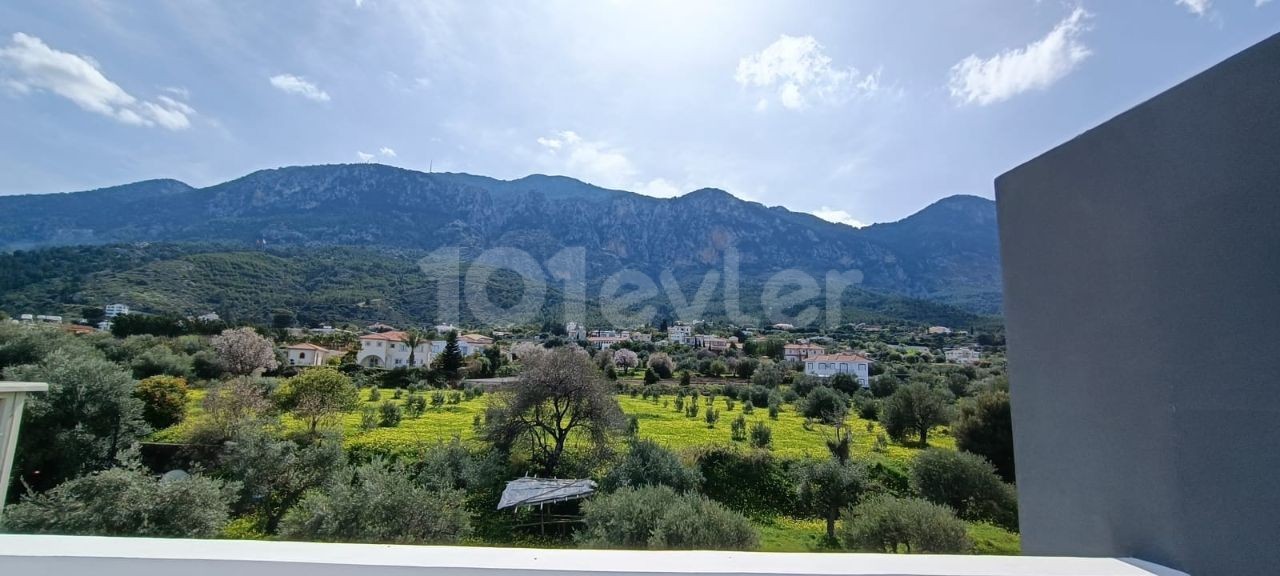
(164, 400)
(773, 411)
(127, 501)
(396, 395)
(648, 464)
(368, 418)
(967, 483)
(389, 414)
(885, 523)
(748, 408)
(437, 399)
(825, 404)
(650, 377)
(686, 378)
(753, 482)
(761, 435)
(738, 429)
(415, 405)
(378, 502)
(656, 517)
(711, 416)
(633, 426)
(868, 407)
(375, 394)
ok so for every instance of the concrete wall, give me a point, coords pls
(76, 555)
(1142, 298)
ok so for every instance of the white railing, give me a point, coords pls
(13, 396)
(76, 555)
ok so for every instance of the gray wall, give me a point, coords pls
(1142, 299)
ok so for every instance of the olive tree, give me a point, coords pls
(558, 395)
(658, 517)
(967, 483)
(126, 501)
(984, 426)
(317, 395)
(828, 486)
(648, 464)
(885, 523)
(914, 409)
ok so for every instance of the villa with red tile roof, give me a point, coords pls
(827, 365)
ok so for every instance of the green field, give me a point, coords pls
(664, 425)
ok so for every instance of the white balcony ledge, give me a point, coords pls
(76, 555)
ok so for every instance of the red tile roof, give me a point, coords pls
(306, 346)
(395, 336)
(843, 357)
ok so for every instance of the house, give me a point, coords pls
(306, 354)
(939, 330)
(210, 317)
(784, 326)
(801, 352)
(468, 344)
(391, 350)
(641, 337)
(827, 365)
(49, 319)
(575, 331)
(602, 342)
(680, 334)
(963, 355)
(714, 343)
(114, 310)
(27, 318)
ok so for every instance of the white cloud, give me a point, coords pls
(364, 156)
(838, 216)
(1201, 7)
(31, 65)
(291, 84)
(1034, 67)
(798, 72)
(601, 164)
(388, 152)
(359, 3)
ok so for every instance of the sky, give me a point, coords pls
(858, 112)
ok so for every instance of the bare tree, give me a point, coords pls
(243, 352)
(560, 395)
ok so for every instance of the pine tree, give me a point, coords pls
(451, 357)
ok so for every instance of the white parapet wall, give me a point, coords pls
(13, 396)
(99, 556)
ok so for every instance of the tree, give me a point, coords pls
(233, 404)
(126, 501)
(317, 395)
(378, 502)
(650, 376)
(761, 435)
(164, 400)
(885, 523)
(657, 517)
(273, 473)
(914, 408)
(413, 339)
(884, 385)
(243, 352)
(985, 427)
(648, 464)
(844, 383)
(828, 486)
(450, 359)
(965, 482)
(661, 364)
(769, 374)
(559, 394)
(81, 424)
(625, 359)
(745, 368)
(825, 404)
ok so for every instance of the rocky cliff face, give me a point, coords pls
(947, 252)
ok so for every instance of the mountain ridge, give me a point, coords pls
(947, 252)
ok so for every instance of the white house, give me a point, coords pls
(680, 334)
(714, 343)
(306, 354)
(49, 319)
(602, 342)
(828, 365)
(939, 330)
(389, 350)
(468, 344)
(963, 355)
(210, 317)
(801, 352)
(114, 310)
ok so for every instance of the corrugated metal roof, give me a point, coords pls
(535, 491)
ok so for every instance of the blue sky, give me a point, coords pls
(857, 111)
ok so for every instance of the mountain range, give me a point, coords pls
(947, 252)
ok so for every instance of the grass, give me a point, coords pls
(807, 535)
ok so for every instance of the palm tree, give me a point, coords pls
(413, 339)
